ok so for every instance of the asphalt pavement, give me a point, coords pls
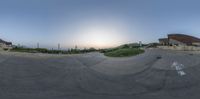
(156, 74)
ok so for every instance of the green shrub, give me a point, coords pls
(5, 49)
(124, 52)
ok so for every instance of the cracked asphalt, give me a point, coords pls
(152, 75)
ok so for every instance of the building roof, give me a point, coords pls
(164, 39)
(5, 42)
(184, 38)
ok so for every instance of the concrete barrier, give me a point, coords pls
(181, 48)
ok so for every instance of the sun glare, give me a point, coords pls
(99, 37)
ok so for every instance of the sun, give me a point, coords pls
(99, 37)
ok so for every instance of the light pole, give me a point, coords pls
(76, 47)
(38, 45)
(58, 46)
(140, 42)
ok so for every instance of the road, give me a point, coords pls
(156, 74)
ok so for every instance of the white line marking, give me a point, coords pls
(182, 73)
(178, 68)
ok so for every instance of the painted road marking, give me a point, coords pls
(179, 68)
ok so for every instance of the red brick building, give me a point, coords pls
(180, 39)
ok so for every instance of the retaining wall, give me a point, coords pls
(181, 48)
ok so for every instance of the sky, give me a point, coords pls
(95, 23)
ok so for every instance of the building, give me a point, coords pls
(5, 44)
(164, 41)
(180, 39)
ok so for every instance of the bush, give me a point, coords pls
(124, 52)
(5, 49)
(43, 50)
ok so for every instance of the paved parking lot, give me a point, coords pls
(156, 74)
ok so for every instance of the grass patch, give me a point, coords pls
(124, 52)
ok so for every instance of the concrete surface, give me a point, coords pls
(156, 74)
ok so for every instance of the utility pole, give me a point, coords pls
(140, 43)
(76, 47)
(58, 46)
(38, 45)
